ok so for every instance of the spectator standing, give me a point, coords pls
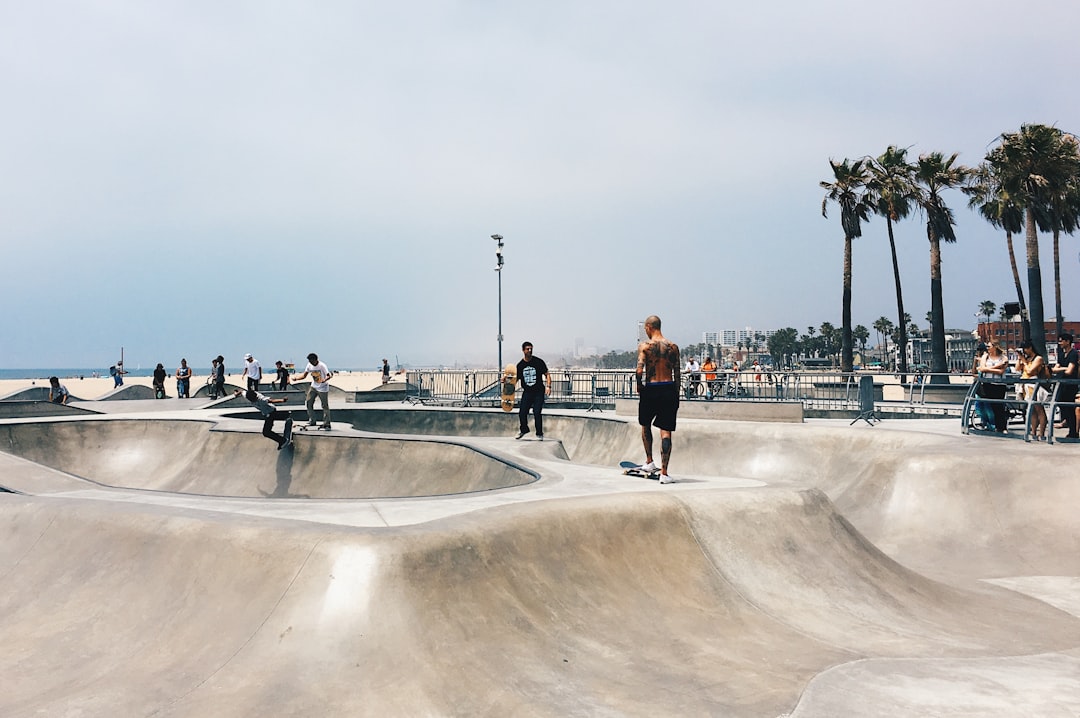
(183, 380)
(1068, 360)
(252, 371)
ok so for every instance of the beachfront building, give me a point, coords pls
(959, 350)
(1011, 333)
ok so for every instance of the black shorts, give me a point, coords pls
(659, 405)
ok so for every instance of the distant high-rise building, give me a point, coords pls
(747, 336)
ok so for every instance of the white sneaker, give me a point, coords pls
(665, 479)
(648, 468)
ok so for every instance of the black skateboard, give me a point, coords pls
(631, 469)
(309, 427)
(288, 431)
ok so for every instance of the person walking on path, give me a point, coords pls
(535, 385)
(658, 392)
(320, 387)
(117, 374)
(1068, 361)
(183, 380)
(58, 393)
(265, 405)
(252, 371)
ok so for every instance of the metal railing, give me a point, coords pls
(600, 388)
(1021, 403)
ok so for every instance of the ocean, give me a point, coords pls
(79, 373)
(131, 371)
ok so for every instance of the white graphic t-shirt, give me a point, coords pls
(320, 376)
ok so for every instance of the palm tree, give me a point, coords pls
(849, 179)
(987, 309)
(1063, 216)
(1001, 210)
(828, 339)
(1036, 164)
(935, 173)
(891, 192)
(860, 334)
(883, 327)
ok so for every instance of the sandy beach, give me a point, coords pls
(90, 388)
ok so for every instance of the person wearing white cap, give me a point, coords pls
(253, 372)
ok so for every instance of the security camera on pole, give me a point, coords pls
(498, 270)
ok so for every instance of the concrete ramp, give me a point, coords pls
(188, 457)
(34, 393)
(129, 391)
(14, 408)
(638, 604)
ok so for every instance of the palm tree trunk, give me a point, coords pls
(899, 303)
(1057, 282)
(1034, 272)
(1024, 323)
(847, 359)
(938, 362)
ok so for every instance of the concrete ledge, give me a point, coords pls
(790, 412)
(14, 409)
(384, 392)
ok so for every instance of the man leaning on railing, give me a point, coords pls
(1067, 361)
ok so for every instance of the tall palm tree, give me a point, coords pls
(846, 189)
(883, 327)
(987, 309)
(891, 192)
(860, 334)
(1063, 215)
(1036, 165)
(935, 173)
(987, 195)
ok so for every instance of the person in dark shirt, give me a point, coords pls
(535, 385)
(1066, 368)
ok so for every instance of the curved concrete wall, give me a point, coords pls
(187, 457)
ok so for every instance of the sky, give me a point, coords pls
(188, 179)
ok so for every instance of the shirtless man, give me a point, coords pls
(658, 391)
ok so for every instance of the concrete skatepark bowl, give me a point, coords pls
(422, 562)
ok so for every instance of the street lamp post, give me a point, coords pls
(498, 270)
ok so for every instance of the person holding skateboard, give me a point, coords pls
(320, 387)
(265, 405)
(159, 381)
(282, 376)
(658, 394)
(219, 376)
(535, 385)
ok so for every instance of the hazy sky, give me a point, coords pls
(193, 178)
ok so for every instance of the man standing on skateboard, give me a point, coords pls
(320, 387)
(658, 392)
(535, 385)
(265, 405)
